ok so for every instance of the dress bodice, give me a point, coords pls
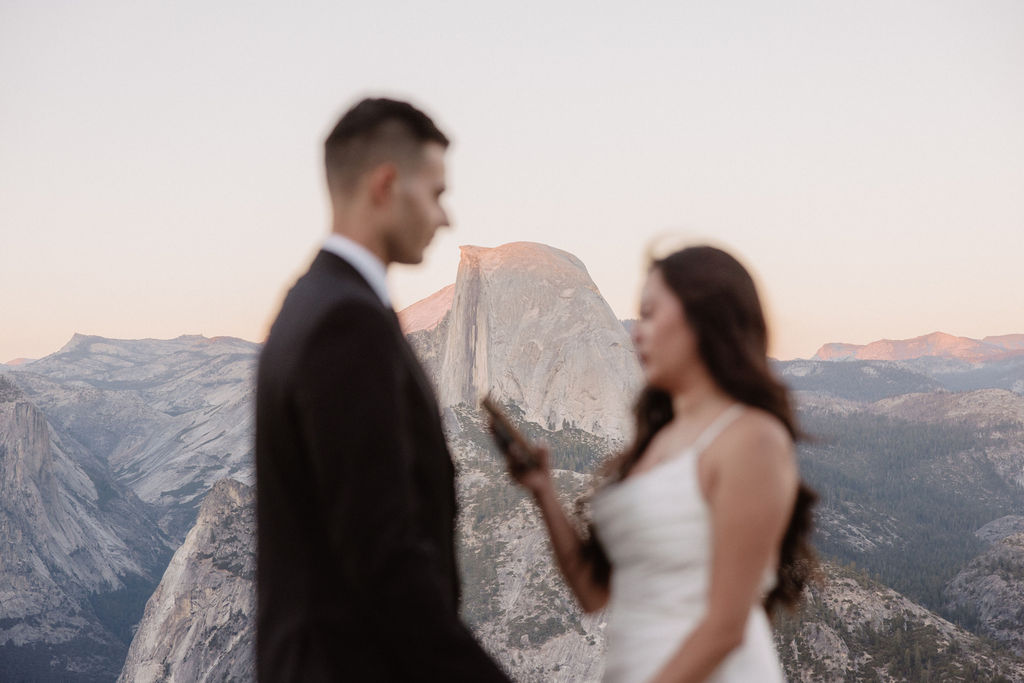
(656, 530)
(653, 526)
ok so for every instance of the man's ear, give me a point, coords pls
(381, 183)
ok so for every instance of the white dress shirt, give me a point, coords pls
(363, 260)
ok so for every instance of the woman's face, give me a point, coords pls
(665, 342)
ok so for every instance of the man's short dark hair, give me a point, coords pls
(372, 132)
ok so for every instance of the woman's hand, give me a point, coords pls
(537, 478)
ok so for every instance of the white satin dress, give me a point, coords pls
(655, 527)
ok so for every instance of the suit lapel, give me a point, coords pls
(343, 268)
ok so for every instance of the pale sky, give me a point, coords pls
(160, 164)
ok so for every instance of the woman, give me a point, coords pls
(704, 519)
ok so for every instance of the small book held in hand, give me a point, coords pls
(519, 452)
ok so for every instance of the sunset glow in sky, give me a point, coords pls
(160, 167)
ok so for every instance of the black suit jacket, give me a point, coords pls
(356, 572)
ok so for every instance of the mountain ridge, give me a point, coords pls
(933, 345)
(170, 416)
(77, 547)
(528, 325)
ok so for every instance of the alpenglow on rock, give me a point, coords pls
(528, 324)
(934, 345)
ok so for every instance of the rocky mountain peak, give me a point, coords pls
(225, 497)
(934, 345)
(427, 314)
(529, 256)
(145, 350)
(530, 326)
(1006, 341)
(78, 341)
(169, 417)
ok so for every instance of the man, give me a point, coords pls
(356, 576)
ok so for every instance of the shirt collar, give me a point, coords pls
(363, 260)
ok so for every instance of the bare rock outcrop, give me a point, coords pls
(199, 624)
(169, 417)
(991, 587)
(528, 324)
(69, 539)
(852, 628)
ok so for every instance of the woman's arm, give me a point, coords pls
(749, 479)
(565, 540)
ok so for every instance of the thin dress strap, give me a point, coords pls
(712, 431)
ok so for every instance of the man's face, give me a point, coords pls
(417, 210)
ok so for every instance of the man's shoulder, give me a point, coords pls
(329, 293)
(332, 275)
(330, 283)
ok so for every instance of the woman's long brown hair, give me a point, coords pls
(721, 305)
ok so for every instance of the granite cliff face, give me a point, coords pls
(72, 539)
(199, 625)
(528, 324)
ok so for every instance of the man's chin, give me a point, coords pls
(409, 259)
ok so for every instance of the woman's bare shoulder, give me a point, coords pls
(755, 434)
(760, 426)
